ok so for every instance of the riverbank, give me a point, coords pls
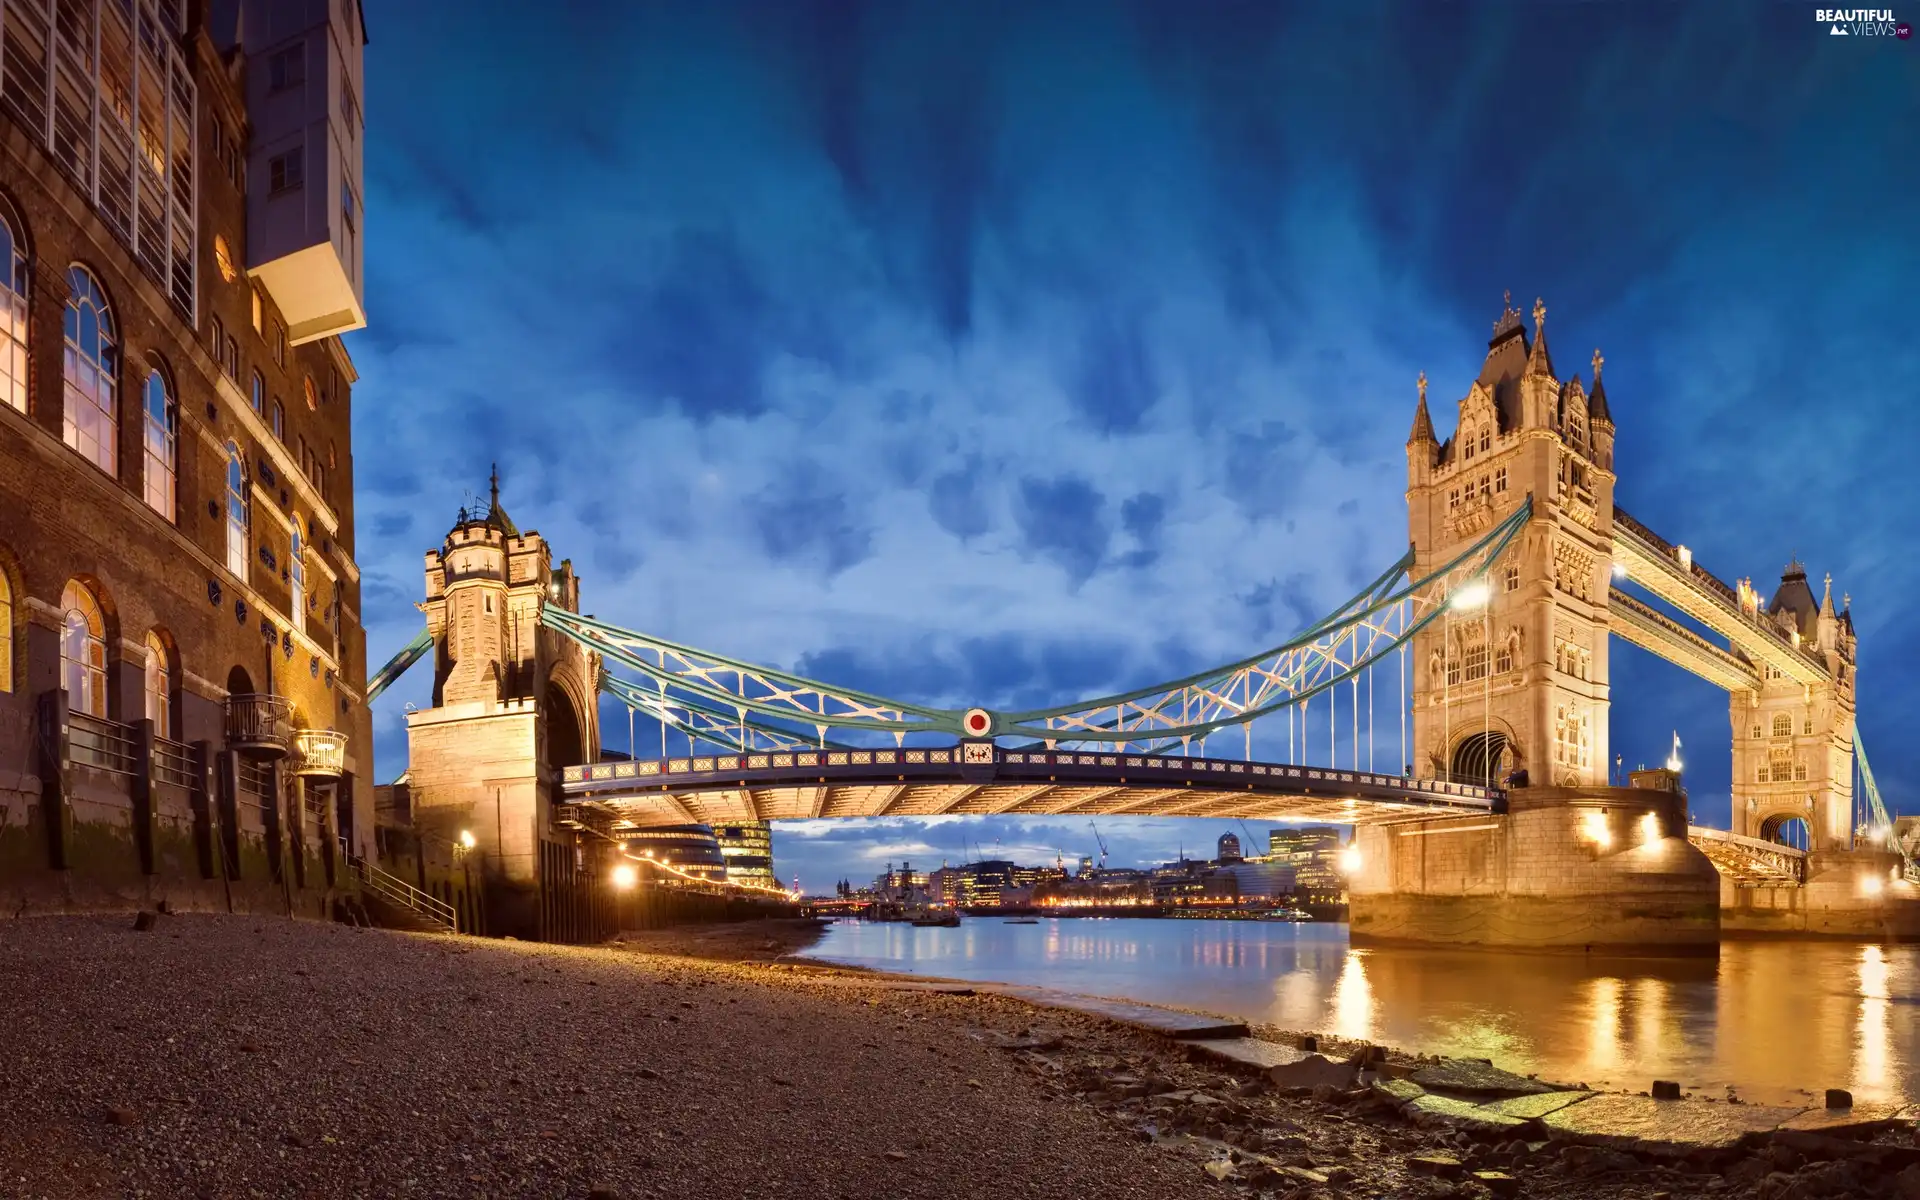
(228, 1056)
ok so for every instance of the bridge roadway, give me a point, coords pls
(979, 778)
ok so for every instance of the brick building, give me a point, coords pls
(181, 654)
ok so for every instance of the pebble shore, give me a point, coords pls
(216, 1056)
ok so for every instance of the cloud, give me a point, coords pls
(985, 355)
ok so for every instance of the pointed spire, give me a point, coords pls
(497, 516)
(1597, 399)
(1509, 319)
(1422, 421)
(494, 480)
(1539, 362)
(1826, 598)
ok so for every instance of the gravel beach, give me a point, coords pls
(218, 1056)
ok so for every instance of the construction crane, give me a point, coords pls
(1103, 844)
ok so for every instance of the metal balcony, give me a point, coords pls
(319, 753)
(259, 726)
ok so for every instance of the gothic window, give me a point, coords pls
(83, 651)
(1466, 447)
(159, 686)
(1757, 731)
(1453, 668)
(1760, 773)
(1503, 661)
(237, 512)
(1453, 498)
(1807, 726)
(162, 444)
(297, 580)
(91, 424)
(1500, 481)
(1782, 765)
(1486, 440)
(1782, 725)
(1486, 486)
(1513, 578)
(1799, 772)
(13, 310)
(1576, 431)
(1570, 740)
(1477, 661)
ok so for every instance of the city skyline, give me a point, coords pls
(855, 381)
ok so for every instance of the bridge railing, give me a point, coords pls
(399, 891)
(1700, 833)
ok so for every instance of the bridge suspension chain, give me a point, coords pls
(750, 708)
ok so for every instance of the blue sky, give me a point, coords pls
(1007, 354)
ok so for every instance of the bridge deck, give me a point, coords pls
(1750, 862)
(978, 778)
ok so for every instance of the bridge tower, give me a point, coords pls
(513, 705)
(1516, 679)
(1793, 741)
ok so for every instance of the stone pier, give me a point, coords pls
(1856, 895)
(1594, 869)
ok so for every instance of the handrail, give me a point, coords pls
(319, 752)
(1703, 833)
(258, 719)
(97, 742)
(398, 890)
(174, 763)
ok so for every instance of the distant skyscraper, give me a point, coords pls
(748, 849)
(1228, 849)
(1313, 852)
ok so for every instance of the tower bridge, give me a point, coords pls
(1454, 710)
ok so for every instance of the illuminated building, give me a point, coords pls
(1314, 853)
(1228, 849)
(748, 849)
(693, 849)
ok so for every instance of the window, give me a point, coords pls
(313, 395)
(1760, 773)
(1500, 482)
(6, 632)
(349, 227)
(279, 421)
(259, 314)
(216, 338)
(162, 444)
(260, 393)
(1782, 766)
(83, 651)
(280, 343)
(1453, 498)
(285, 171)
(237, 512)
(1503, 661)
(159, 687)
(1570, 740)
(1807, 726)
(1477, 661)
(91, 409)
(1513, 578)
(349, 111)
(1782, 725)
(1453, 669)
(1486, 487)
(297, 580)
(488, 598)
(231, 360)
(13, 311)
(287, 68)
(223, 258)
(1486, 440)
(1757, 731)
(1799, 772)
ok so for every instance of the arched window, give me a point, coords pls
(13, 310)
(6, 632)
(91, 367)
(297, 575)
(313, 395)
(159, 686)
(259, 392)
(1782, 725)
(237, 512)
(83, 651)
(163, 444)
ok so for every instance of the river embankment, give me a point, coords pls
(231, 1056)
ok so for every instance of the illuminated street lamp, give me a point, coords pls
(1474, 595)
(1350, 859)
(467, 840)
(624, 876)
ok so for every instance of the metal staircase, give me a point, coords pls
(393, 903)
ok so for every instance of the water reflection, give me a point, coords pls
(1779, 1021)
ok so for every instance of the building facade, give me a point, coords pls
(748, 849)
(1513, 677)
(181, 655)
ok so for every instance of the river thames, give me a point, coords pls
(1776, 1021)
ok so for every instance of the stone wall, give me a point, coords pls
(1566, 868)
(1856, 896)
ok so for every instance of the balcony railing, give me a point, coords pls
(319, 752)
(259, 726)
(108, 745)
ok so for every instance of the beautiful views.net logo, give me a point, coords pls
(1862, 22)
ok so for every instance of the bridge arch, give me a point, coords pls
(566, 733)
(1490, 753)
(1787, 828)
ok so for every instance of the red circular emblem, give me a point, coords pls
(976, 722)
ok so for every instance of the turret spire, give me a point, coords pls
(1826, 597)
(1539, 362)
(1422, 421)
(1597, 399)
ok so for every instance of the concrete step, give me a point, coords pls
(389, 914)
